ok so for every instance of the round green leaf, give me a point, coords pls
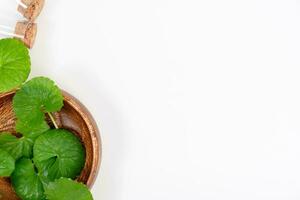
(36, 97)
(58, 153)
(14, 64)
(7, 164)
(16, 147)
(66, 189)
(26, 181)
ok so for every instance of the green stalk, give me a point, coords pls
(52, 119)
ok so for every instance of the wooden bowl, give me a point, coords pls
(74, 117)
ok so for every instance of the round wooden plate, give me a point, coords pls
(73, 117)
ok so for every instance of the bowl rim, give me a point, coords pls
(94, 133)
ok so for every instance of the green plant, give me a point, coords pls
(14, 64)
(41, 161)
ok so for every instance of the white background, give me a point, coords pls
(195, 99)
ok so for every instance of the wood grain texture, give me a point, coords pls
(33, 10)
(73, 117)
(29, 30)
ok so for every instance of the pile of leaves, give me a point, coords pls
(41, 162)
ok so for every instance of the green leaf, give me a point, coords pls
(26, 181)
(33, 100)
(32, 132)
(66, 189)
(16, 147)
(14, 64)
(58, 153)
(7, 164)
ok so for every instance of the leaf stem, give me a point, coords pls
(52, 119)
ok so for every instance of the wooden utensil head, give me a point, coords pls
(73, 117)
(28, 30)
(33, 10)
